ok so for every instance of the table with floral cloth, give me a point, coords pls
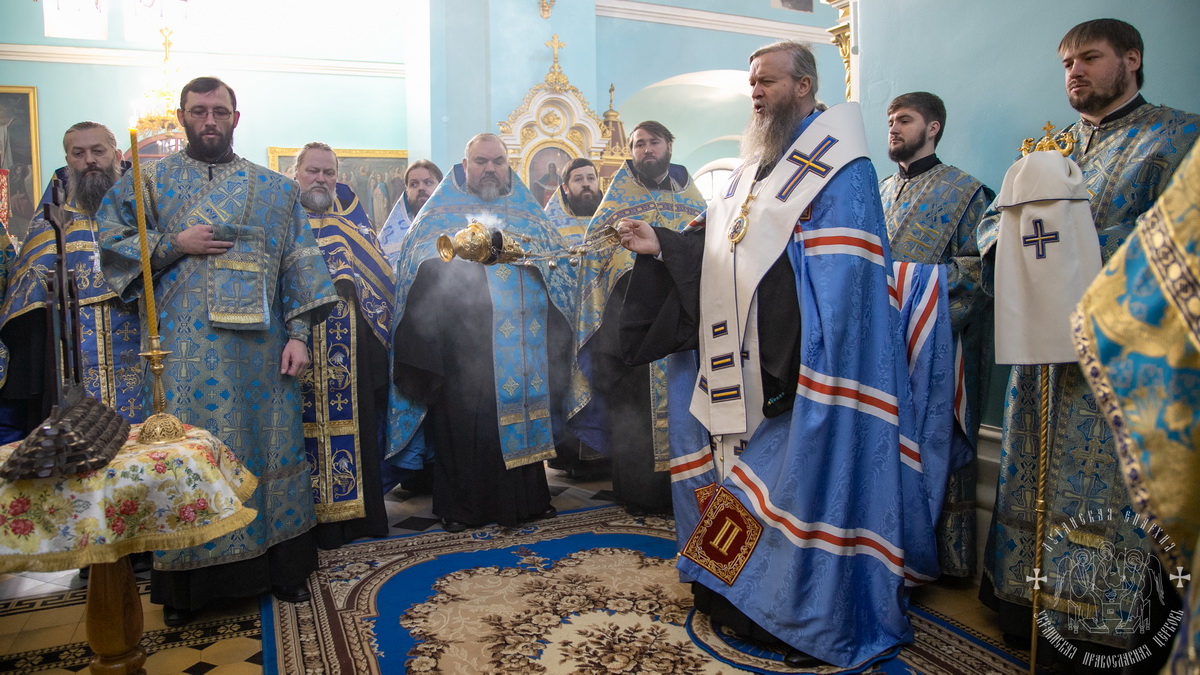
(150, 497)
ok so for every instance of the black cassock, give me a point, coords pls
(443, 357)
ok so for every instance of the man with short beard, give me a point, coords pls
(345, 387)
(803, 384)
(239, 282)
(481, 352)
(1127, 150)
(112, 369)
(420, 179)
(622, 410)
(932, 210)
(570, 209)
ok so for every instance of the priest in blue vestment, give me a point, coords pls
(110, 336)
(481, 352)
(345, 388)
(932, 210)
(805, 516)
(420, 179)
(239, 282)
(622, 410)
(570, 210)
(1127, 150)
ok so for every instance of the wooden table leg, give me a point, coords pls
(114, 620)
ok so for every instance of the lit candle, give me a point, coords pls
(147, 279)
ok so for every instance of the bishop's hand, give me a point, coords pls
(638, 236)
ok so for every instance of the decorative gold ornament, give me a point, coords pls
(544, 6)
(480, 244)
(1063, 143)
(737, 229)
(551, 120)
(555, 78)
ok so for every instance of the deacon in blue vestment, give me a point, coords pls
(932, 210)
(621, 410)
(239, 281)
(481, 352)
(806, 514)
(1127, 149)
(110, 339)
(345, 388)
(420, 179)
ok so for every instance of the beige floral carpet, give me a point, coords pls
(593, 592)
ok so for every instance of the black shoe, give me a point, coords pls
(453, 525)
(296, 593)
(176, 616)
(141, 562)
(550, 512)
(636, 511)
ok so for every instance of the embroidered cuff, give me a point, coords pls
(166, 252)
(299, 329)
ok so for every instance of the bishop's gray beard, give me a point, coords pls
(89, 186)
(316, 200)
(767, 136)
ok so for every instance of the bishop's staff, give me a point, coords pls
(1047, 254)
(161, 427)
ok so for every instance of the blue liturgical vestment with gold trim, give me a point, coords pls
(1126, 164)
(343, 406)
(109, 333)
(1137, 332)
(224, 319)
(480, 357)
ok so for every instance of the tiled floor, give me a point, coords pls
(55, 626)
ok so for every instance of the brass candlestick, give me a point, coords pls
(161, 427)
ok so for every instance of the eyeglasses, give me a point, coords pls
(219, 114)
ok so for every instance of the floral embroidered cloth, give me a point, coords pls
(150, 497)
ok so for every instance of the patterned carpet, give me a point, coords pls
(588, 592)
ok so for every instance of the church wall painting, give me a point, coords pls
(19, 157)
(376, 176)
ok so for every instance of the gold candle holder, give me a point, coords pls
(161, 427)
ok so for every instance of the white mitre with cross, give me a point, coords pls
(1047, 254)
